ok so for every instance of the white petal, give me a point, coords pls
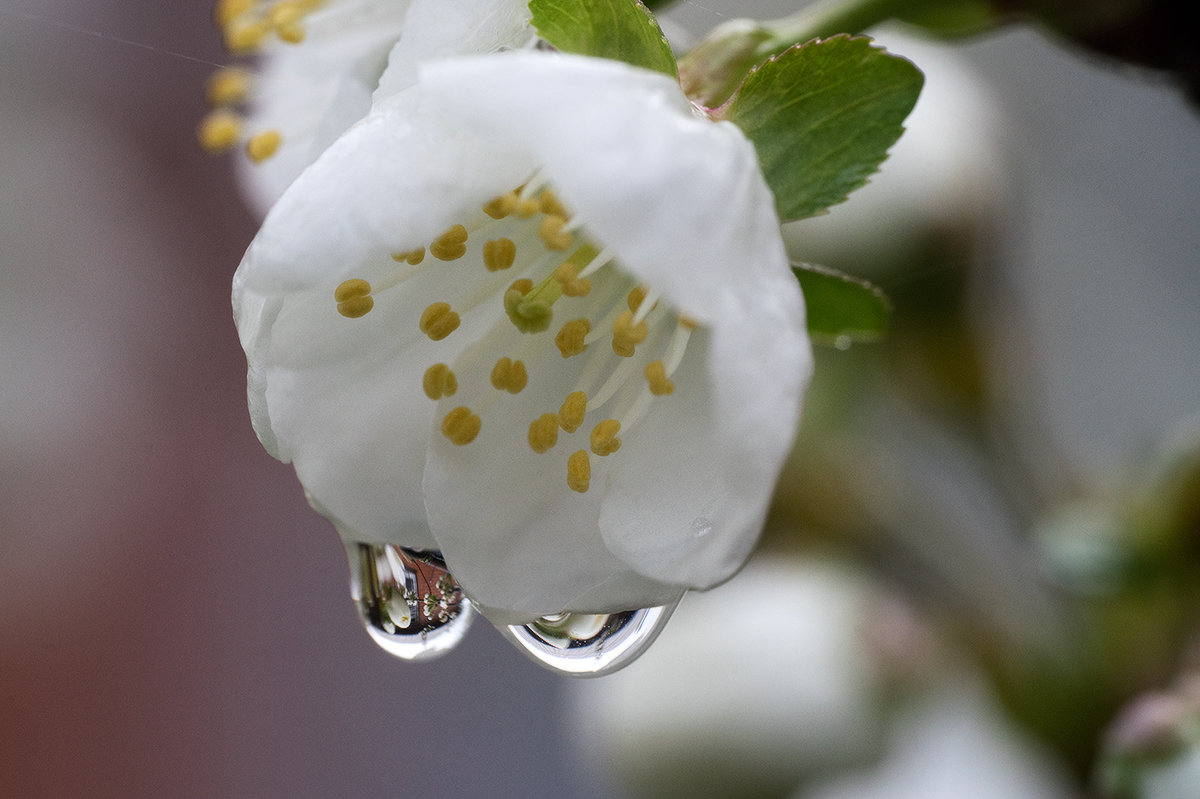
(682, 203)
(314, 90)
(438, 29)
(392, 183)
(342, 398)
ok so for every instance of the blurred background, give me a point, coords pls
(980, 553)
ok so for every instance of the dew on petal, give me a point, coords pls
(409, 603)
(590, 645)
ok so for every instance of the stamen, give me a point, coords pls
(627, 334)
(263, 145)
(526, 207)
(550, 204)
(439, 321)
(499, 254)
(411, 257)
(567, 274)
(286, 16)
(656, 376)
(543, 433)
(440, 382)
(677, 347)
(551, 232)
(570, 340)
(227, 86)
(502, 206)
(614, 382)
(649, 303)
(219, 131)
(579, 471)
(245, 37)
(574, 407)
(451, 245)
(634, 300)
(461, 426)
(601, 259)
(604, 437)
(509, 375)
(353, 298)
(227, 10)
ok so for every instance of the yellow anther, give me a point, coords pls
(292, 33)
(634, 300)
(604, 437)
(245, 37)
(355, 287)
(219, 131)
(574, 407)
(570, 340)
(439, 382)
(451, 245)
(509, 375)
(227, 86)
(461, 426)
(439, 321)
(656, 376)
(688, 323)
(579, 471)
(411, 257)
(499, 254)
(285, 12)
(263, 145)
(572, 285)
(626, 335)
(526, 208)
(353, 298)
(543, 433)
(227, 10)
(551, 232)
(549, 203)
(502, 206)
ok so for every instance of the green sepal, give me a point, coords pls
(842, 309)
(822, 116)
(623, 30)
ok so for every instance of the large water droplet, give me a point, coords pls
(409, 603)
(589, 645)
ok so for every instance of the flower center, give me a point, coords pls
(563, 274)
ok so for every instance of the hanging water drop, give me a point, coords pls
(408, 601)
(589, 645)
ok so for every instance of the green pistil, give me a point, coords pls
(533, 312)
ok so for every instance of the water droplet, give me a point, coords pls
(589, 645)
(408, 601)
(701, 526)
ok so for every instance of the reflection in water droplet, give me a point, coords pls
(409, 603)
(589, 645)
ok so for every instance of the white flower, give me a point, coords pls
(585, 403)
(321, 63)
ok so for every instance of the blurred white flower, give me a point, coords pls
(953, 743)
(754, 687)
(320, 64)
(582, 391)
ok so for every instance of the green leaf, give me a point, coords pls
(822, 117)
(623, 30)
(842, 309)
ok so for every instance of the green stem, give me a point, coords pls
(715, 68)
